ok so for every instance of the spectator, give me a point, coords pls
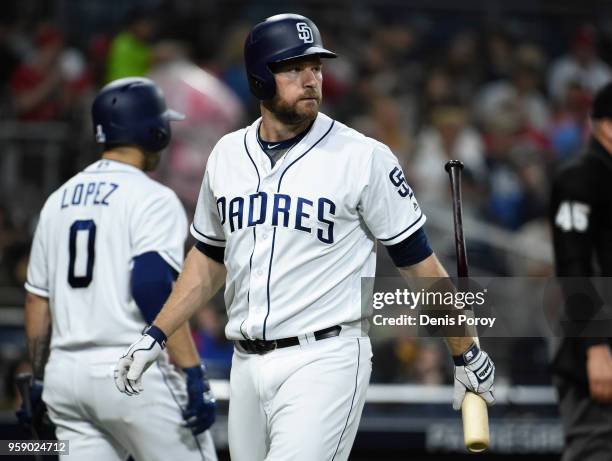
(499, 51)
(568, 129)
(581, 65)
(522, 89)
(516, 171)
(463, 66)
(448, 137)
(37, 83)
(130, 53)
(386, 122)
(437, 90)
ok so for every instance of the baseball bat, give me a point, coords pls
(474, 408)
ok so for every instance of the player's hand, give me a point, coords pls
(201, 407)
(139, 357)
(38, 407)
(599, 371)
(474, 372)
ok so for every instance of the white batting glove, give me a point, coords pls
(474, 372)
(140, 356)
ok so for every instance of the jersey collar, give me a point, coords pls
(271, 146)
(108, 166)
(320, 126)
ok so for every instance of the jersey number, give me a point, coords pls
(82, 253)
(573, 216)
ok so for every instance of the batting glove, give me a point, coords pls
(139, 357)
(34, 418)
(474, 372)
(37, 406)
(201, 407)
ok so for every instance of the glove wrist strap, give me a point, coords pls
(465, 358)
(158, 335)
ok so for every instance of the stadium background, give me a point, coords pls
(492, 83)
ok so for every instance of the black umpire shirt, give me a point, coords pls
(581, 217)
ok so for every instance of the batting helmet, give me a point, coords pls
(279, 38)
(133, 111)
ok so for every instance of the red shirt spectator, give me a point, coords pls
(35, 84)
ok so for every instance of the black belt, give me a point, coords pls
(260, 346)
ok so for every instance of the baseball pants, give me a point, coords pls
(102, 424)
(300, 403)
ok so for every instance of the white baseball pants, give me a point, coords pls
(105, 425)
(300, 403)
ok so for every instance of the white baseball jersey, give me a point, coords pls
(89, 231)
(300, 235)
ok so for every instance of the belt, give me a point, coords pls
(260, 346)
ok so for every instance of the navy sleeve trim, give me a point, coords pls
(213, 252)
(412, 250)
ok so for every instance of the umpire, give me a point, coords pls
(581, 218)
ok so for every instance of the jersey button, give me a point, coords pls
(259, 273)
(265, 236)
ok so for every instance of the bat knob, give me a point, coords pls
(453, 164)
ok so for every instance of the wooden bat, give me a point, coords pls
(474, 408)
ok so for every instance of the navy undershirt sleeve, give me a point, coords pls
(410, 251)
(151, 283)
(213, 252)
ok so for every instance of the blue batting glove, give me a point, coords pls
(38, 406)
(201, 407)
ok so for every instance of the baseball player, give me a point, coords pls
(288, 216)
(108, 245)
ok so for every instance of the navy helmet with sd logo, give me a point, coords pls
(279, 38)
(132, 111)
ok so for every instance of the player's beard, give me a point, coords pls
(293, 114)
(151, 160)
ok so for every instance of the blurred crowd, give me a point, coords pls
(509, 97)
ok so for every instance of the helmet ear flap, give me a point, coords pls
(261, 89)
(158, 134)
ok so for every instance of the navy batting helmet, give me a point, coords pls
(132, 111)
(279, 38)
